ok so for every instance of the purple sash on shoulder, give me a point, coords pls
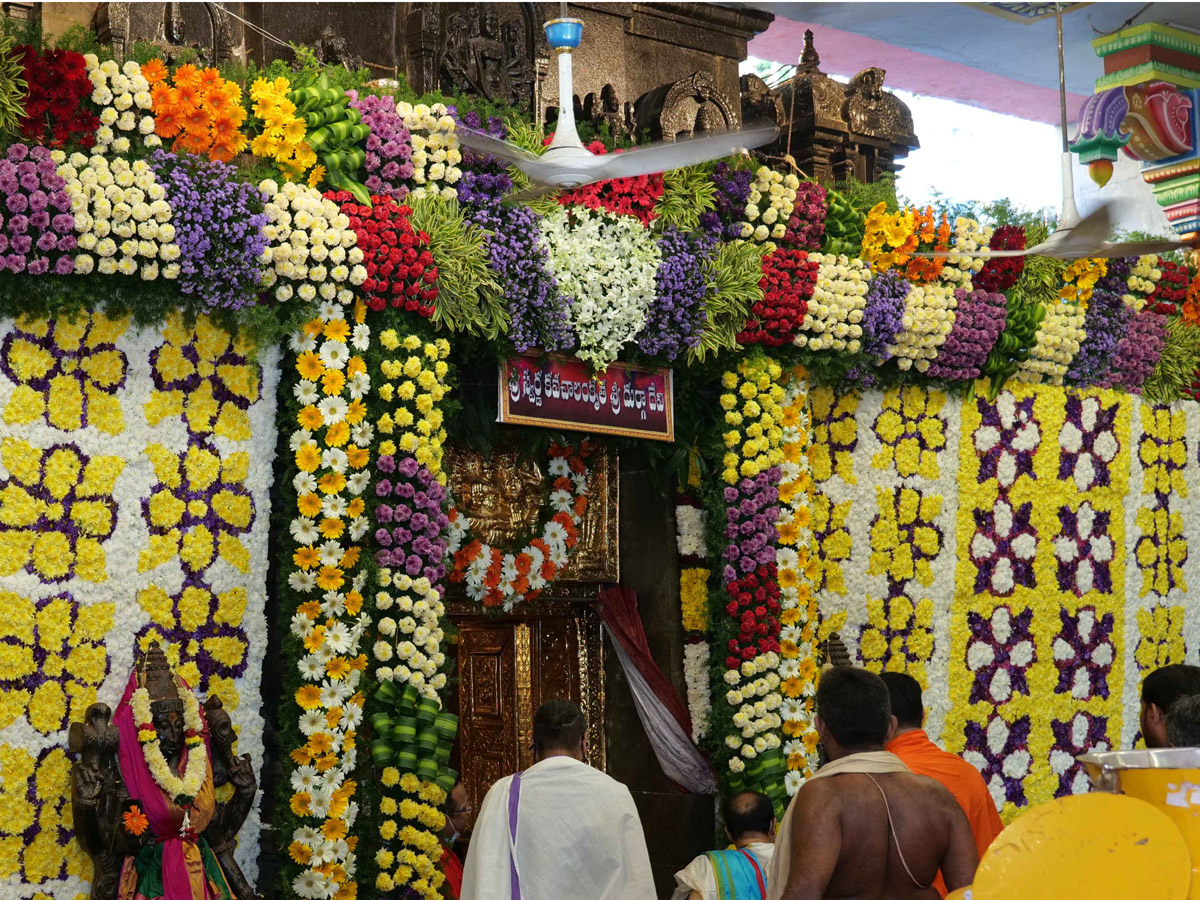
(514, 798)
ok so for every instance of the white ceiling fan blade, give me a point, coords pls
(666, 155)
(484, 143)
(1140, 248)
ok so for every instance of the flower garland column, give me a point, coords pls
(746, 500)
(411, 737)
(330, 444)
(797, 600)
(690, 520)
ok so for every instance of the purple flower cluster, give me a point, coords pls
(806, 226)
(219, 223)
(494, 127)
(677, 316)
(733, 191)
(540, 314)
(751, 508)
(389, 146)
(884, 314)
(978, 321)
(37, 229)
(1116, 275)
(1138, 352)
(412, 520)
(1106, 323)
(482, 191)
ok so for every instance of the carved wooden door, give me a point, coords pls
(487, 706)
(507, 667)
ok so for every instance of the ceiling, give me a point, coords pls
(999, 56)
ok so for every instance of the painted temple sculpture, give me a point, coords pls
(145, 791)
(1145, 106)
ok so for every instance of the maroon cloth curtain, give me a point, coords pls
(662, 711)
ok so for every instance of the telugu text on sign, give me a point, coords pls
(560, 392)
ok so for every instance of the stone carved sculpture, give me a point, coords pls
(690, 106)
(872, 111)
(333, 50)
(203, 27)
(481, 54)
(149, 826)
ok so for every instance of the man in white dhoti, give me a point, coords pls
(739, 873)
(560, 830)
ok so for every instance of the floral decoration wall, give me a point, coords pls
(1026, 559)
(135, 466)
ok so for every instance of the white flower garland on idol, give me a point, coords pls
(607, 263)
(181, 790)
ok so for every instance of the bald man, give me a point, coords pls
(739, 872)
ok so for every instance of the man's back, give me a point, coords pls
(577, 835)
(961, 778)
(844, 848)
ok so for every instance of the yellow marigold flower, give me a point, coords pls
(308, 696)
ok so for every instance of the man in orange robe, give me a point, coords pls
(924, 757)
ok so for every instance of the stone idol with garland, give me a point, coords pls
(145, 789)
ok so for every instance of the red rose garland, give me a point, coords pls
(1171, 290)
(400, 267)
(1001, 272)
(55, 114)
(788, 281)
(755, 606)
(635, 197)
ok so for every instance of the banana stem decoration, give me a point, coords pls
(843, 226)
(1015, 343)
(335, 132)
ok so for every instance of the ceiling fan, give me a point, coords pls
(1076, 237)
(566, 163)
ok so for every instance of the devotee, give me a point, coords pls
(560, 829)
(924, 757)
(458, 818)
(1183, 722)
(864, 825)
(1160, 690)
(741, 872)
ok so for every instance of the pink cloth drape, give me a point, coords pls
(165, 819)
(662, 711)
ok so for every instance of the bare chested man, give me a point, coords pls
(864, 827)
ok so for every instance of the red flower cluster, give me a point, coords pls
(788, 281)
(55, 114)
(635, 197)
(755, 606)
(806, 225)
(1171, 290)
(1002, 272)
(400, 268)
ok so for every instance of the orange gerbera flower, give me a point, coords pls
(210, 78)
(310, 609)
(330, 578)
(337, 668)
(332, 529)
(301, 757)
(167, 123)
(354, 602)
(163, 97)
(327, 762)
(310, 417)
(187, 75)
(154, 71)
(189, 97)
(308, 696)
(306, 557)
(135, 821)
(196, 120)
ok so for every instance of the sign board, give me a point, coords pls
(561, 392)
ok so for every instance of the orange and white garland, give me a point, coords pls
(497, 578)
(182, 791)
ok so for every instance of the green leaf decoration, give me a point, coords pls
(734, 272)
(688, 193)
(469, 297)
(1177, 366)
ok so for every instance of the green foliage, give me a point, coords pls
(688, 193)
(83, 40)
(12, 89)
(469, 297)
(1177, 366)
(23, 31)
(1004, 212)
(1040, 280)
(863, 195)
(734, 272)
